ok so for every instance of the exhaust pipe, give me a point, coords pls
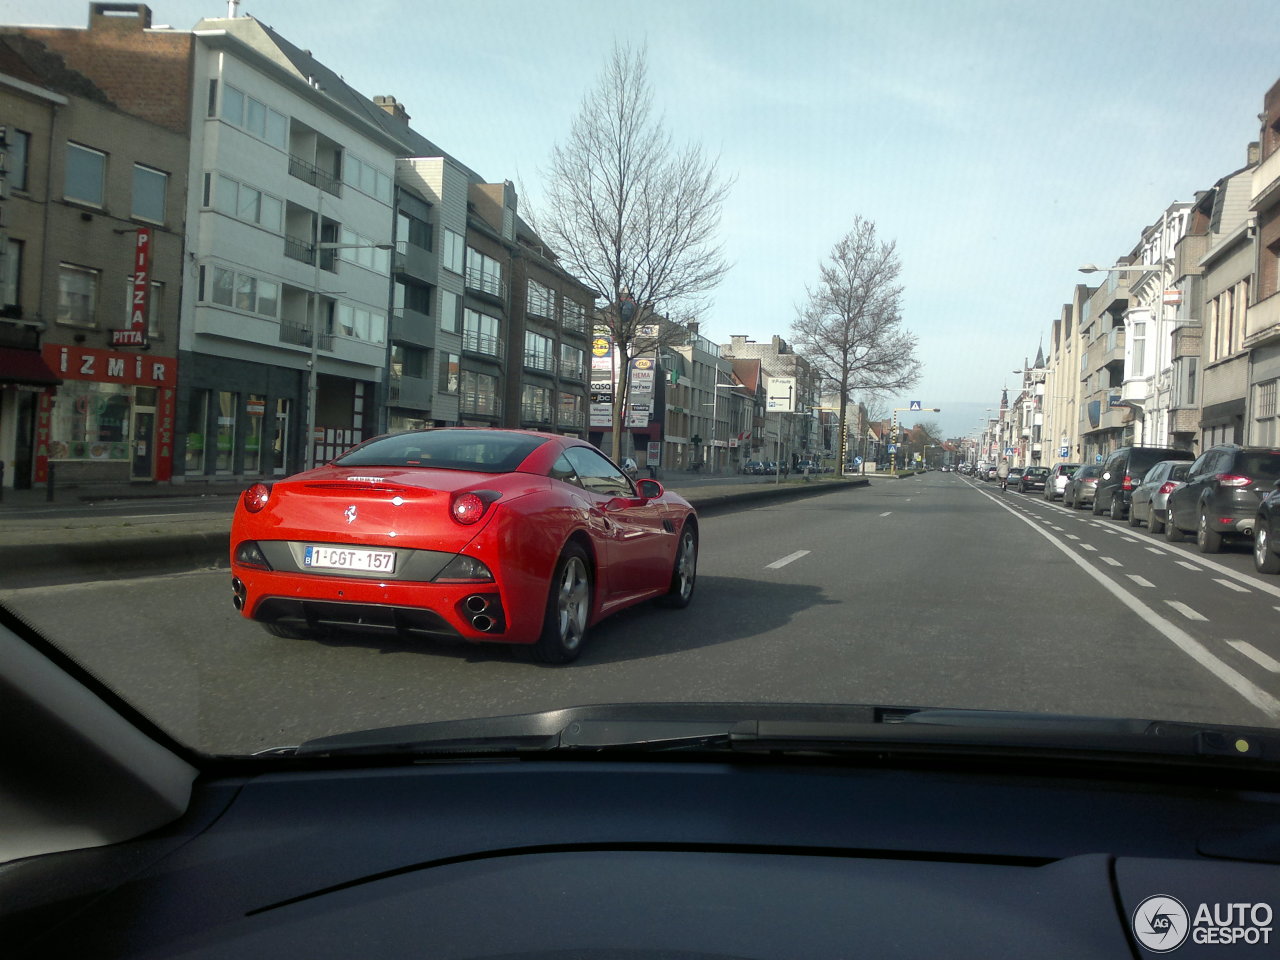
(482, 623)
(238, 602)
(476, 603)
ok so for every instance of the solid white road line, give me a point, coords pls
(1186, 611)
(1188, 644)
(777, 564)
(1256, 655)
(1140, 581)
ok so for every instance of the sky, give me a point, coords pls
(999, 144)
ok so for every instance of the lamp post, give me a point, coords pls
(715, 423)
(312, 363)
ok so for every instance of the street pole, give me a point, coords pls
(312, 383)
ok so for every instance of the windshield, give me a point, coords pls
(345, 385)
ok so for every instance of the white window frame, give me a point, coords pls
(164, 193)
(95, 278)
(100, 200)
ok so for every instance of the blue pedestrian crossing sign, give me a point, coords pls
(1008, 451)
(893, 448)
(915, 405)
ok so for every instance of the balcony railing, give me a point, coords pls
(295, 248)
(410, 392)
(573, 370)
(535, 413)
(490, 283)
(574, 324)
(474, 342)
(308, 172)
(540, 362)
(479, 405)
(299, 334)
(573, 418)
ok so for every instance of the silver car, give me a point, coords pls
(1056, 482)
(1151, 496)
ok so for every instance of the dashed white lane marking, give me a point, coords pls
(1231, 586)
(1072, 536)
(1186, 611)
(1111, 561)
(1256, 655)
(886, 513)
(1052, 527)
(787, 559)
(1088, 546)
(1188, 565)
(1140, 581)
(1129, 539)
(1250, 581)
(1156, 550)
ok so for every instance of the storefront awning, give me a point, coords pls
(25, 366)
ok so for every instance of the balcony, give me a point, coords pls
(1262, 322)
(490, 284)
(1266, 183)
(482, 343)
(411, 327)
(540, 363)
(411, 392)
(308, 172)
(304, 251)
(573, 418)
(573, 370)
(414, 261)
(535, 413)
(299, 335)
(574, 324)
(479, 405)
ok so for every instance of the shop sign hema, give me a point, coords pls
(135, 335)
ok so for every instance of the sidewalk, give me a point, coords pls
(42, 537)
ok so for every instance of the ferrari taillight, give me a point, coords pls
(468, 508)
(256, 497)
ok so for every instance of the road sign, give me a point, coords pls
(893, 448)
(857, 461)
(1064, 451)
(1097, 458)
(915, 405)
(1008, 451)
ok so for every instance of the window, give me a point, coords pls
(366, 178)
(479, 393)
(85, 174)
(149, 187)
(155, 302)
(77, 295)
(413, 231)
(541, 300)
(1138, 356)
(570, 410)
(449, 367)
(197, 416)
(572, 362)
(224, 436)
(90, 421)
(15, 163)
(535, 404)
(11, 278)
(244, 292)
(597, 474)
(246, 203)
(539, 352)
(454, 251)
(484, 273)
(411, 296)
(575, 316)
(255, 416)
(480, 333)
(1264, 403)
(253, 116)
(448, 311)
(363, 252)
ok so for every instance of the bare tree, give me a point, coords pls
(850, 326)
(633, 215)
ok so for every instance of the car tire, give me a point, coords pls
(1069, 504)
(1133, 515)
(564, 625)
(1096, 507)
(1116, 510)
(1172, 532)
(1155, 526)
(1208, 541)
(684, 572)
(1264, 561)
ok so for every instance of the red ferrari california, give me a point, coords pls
(460, 533)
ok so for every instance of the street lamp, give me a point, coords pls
(715, 425)
(313, 362)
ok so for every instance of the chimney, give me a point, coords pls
(393, 107)
(119, 16)
(1253, 156)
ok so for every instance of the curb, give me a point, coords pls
(44, 563)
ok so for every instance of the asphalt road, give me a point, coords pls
(935, 590)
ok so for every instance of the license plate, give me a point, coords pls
(344, 558)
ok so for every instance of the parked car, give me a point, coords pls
(1033, 478)
(1151, 496)
(1266, 532)
(1056, 482)
(989, 473)
(1015, 475)
(1122, 470)
(412, 534)
(1082, 488)
(753, 467)
(1221, 495)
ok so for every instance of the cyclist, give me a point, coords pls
(1002, 472)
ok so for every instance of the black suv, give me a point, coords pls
(1123, 470)
(1221, 494)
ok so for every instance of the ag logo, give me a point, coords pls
(1161, 923)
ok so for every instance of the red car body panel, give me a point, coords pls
(631, 541)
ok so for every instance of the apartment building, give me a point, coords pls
(1262, 319)
(93, 222)
(796, 433)
(1062, 383)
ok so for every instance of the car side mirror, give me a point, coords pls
(649, 489)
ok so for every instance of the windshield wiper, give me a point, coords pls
(795, 729)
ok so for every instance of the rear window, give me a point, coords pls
(1262, 464)
(484, 451)
(1090, 471)
(1141, 460)
(1038, 472)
